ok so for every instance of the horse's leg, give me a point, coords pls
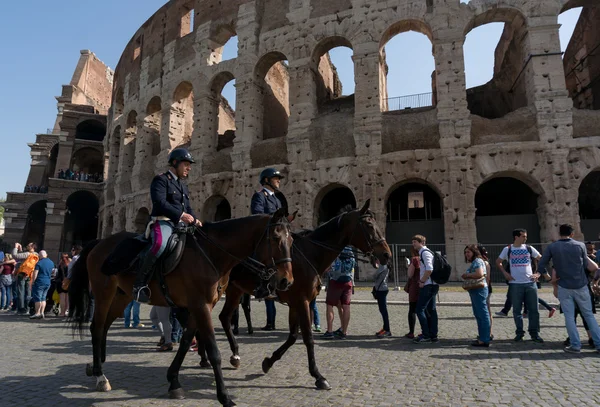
(268, 363)
(204, 363)
(175, 389)
(206, 333)
(116, 310)
(247, 312)
(231, 304)
(102, 306)
(306, 328)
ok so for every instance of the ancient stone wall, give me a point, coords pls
(352, 142)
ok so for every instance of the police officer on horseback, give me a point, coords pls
(266, 202)
(170, 207)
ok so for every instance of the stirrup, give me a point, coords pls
(141, 291)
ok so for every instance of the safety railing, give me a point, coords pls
(410, 101)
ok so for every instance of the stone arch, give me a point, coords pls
(272, 77)
(414, 206)
(88, 160)
(182, 115)
(118, 102)
(114, 148)
(122, 220)
(52, 160)
(216, 208)
(153, 127)
(129, 143)
(81, 219)
(330, 200)
(328, 83)
(571, 4)
(141, 220)
(92, 130)
(108, 230)
(589, 205)
(223, 35)
(35, 224)
(222, 114)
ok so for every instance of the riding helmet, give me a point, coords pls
(180, 154)
(269, 173)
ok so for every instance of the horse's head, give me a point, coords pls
(275, 249)
(366, 235)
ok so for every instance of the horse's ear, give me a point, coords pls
(292, 217)
(280, 213)
(365, 207)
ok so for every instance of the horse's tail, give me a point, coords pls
(79, 290)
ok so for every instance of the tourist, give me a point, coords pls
(41, 283)
(339, 293)
(235, 318)
(7, 267)
(522, 281)
(161, 318)
(590, 248)
(315, 320)
(428, 289)
(476, 274)
(61, 275)
(132, 307)
(570, 275)
(488, 279)
(380, 289)
(412, 288)
(30, 259)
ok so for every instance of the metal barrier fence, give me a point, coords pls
(410, 101)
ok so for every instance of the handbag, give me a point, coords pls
(473, 284)
(374, 293)
(407, 286)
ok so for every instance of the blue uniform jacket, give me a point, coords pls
(264, 203)
(170, 197)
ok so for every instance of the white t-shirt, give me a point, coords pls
(426, 264)
(520, 263)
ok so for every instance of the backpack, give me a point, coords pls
(441, 268)
(28, 265)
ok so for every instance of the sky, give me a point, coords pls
(40, 42)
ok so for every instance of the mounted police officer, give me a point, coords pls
(170, 207)
(265, 201)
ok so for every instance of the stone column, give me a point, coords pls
(451, 93)
(248, 121)
(303, 109)
(367, 114)
(55, 220)
(545, 81)
(65, 152)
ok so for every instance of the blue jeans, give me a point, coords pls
(135, 307)
(525, 294)
(5, 295)
(426, 311)
(23, 293)
(382, 303)
(580, 297)
(480, 310)
(177, 329)
(271, 312)
(14, 290)
(315, 312)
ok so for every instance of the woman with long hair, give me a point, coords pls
(61, 275)
(412, 288)
(476, 271)
(6, 281)
(488, 279)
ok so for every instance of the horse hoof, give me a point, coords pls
(229, 404)
(266, 365)
(89, 370)
(250, 331)
(205, 364)
(103, 387)
(235, 361)
(322, 384)
(176, 394)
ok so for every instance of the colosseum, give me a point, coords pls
(463, 166)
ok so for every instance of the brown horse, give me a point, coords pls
(312, 254)
(195, 284)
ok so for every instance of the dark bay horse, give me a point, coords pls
(196, 284)
(312, 254)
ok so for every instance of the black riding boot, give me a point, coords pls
(141, 291)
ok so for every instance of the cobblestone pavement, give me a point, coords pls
(42, 365)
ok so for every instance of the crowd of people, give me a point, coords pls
(79, 176)
(36, 189)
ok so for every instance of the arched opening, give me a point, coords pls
(222, 111)
(81, 219)
(35, 225)
(182, 115)
(122, 220)
(407, 82)
(224, 45)
(92, 130)
(118, 103)
(51, 166)
(273, 79)
(331, 201)
(141, 220)
(128, 155)
(114, 148)
(496, 85)
(504, 204)
(334, 86)
(414, 208)
(88, 161)
(216, 209)
(589, 206)
(580, 41)
(152, 129)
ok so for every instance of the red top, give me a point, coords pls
(8, 269)
(413, 283)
